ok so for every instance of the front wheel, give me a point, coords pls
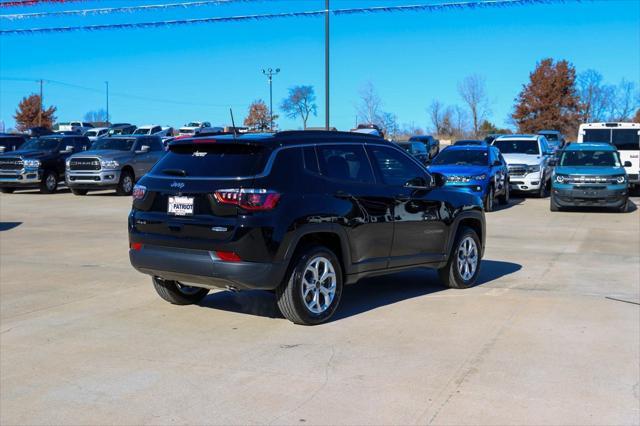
(504, 198)
(8, 190)
(463, 266)
(623, 208)
(312, 291)
(553, 206)
(49, 182)
(542, 192)
(177, 293)
(79, 191)
(125, 186)
(489, 199)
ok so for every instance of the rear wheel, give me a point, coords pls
(8, 190)
(463, 266)
(125, 186)
(79, 191)
(312, 291)
(504, 198)
(49, 182)
(177, 293)
(489, 199)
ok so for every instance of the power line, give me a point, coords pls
(123, 9)
(377, 9)
(33, 2)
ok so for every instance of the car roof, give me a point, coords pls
(61, 136)
(552, 132)
(589, 146)
(291, 137)
(467, 148)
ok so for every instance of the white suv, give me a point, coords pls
(527, 157)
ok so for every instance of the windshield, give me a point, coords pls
(472, 157)
(116, 144)
(517, 146)
(214, 160)
(193, 124)
(141, 131)
(91, 133)
(188, 131)
(590, 158)
(42, 144)
(551, 137)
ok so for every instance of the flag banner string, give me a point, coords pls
(435, 7)
(122, 9)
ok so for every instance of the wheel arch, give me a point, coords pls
(473, 219)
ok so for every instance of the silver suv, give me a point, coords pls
(113, 163)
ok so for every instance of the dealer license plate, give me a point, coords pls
(181, 206)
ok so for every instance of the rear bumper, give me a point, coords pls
(203, 268)
(613, 196)
(107, 179)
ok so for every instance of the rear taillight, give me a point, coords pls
(228, 256)
(135, 246)
(248, 199)
(139, 192)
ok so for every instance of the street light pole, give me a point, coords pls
(107, 85)
(270, 73)
(326, 65)
(41, 107)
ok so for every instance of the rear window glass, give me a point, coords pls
(597, 135)
(213, 160)
(348, 163)
(626, 139)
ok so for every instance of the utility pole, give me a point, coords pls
(326, 65)
(270, 73)
(41, 106)
(107, 84)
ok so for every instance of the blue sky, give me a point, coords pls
(411, 58)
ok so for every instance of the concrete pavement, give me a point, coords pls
(85, 340)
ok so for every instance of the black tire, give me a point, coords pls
(623, 208)
(489, 199)
(553, 206)
(7, 190)
(450, 275)
(542, 192)
(125, 186)
(504, 198)
(79, 191)
(293, 303)
(173, 292)
(49, 183)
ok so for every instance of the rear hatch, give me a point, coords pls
(192, 192)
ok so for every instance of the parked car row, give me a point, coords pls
(107, 163)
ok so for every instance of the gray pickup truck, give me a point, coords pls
(113, 163)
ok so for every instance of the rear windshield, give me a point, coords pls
(517, 146)
(472, 157)
(141, 131)
(626, 139)
(590, 158)
(49, 144)
(213, 160)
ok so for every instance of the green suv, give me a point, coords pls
(589, 174)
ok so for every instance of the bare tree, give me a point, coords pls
(460, 121)
(97, 116)
(389, 124)
(436, 113)
(627, 99)
(473, 92)
(301, 102)
(370, 107)
(596, 98)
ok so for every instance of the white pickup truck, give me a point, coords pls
(75, 126)
(624, 136)
(195, 127)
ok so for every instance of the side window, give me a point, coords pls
(310, 160)
(155, 130)
(419, 147)
(394, 167)
(156, 145)
(347, 163)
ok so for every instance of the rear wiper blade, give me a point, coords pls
(174, 172)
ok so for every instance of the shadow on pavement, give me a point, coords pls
(6, 226)
(513, 201)
(366, 295)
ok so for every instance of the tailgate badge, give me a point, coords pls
(199, 154)
(178, 185)
(219, 229)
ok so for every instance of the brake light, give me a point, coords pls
(135, 246)
(139, 192)
(228, 256)
(248, 199)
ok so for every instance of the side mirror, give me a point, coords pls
(2, 148)
(438, 180)
(143, 149)
(497, 163)
(67, 150)
(627, 164)
(417, 183)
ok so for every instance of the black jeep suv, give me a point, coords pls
(299, 212)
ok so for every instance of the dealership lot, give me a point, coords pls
(547, 337)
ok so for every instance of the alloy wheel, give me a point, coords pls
(319, 283)
(467, 258)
